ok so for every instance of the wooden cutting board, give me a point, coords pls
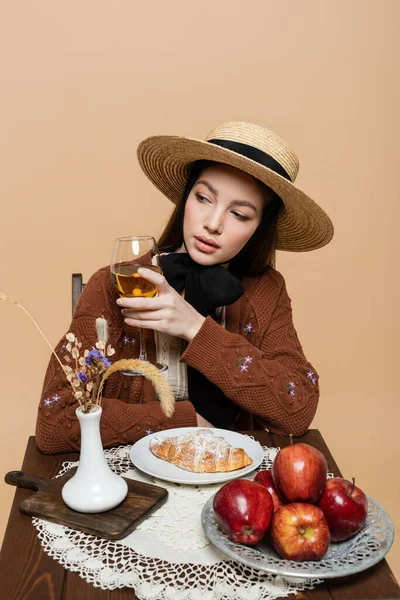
(141, 501)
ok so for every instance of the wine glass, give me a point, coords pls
(131, 253)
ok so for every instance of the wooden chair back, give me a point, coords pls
(77, 289)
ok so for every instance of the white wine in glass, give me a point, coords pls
(129, 255)
(130, 284)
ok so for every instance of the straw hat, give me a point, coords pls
(166, 160)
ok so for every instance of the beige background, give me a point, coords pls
(84, 82)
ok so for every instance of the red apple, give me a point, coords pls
(299, 473)
(299, 531)
(265, 478)
(243, 509)
(345, 507)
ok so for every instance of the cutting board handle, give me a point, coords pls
(20, 479)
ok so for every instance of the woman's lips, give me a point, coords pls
(203, 246)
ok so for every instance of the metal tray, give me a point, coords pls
(357, 554)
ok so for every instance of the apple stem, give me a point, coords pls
(354, 484)
(291, 438)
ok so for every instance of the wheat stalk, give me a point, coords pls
(151, 373)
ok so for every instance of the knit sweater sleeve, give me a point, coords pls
(264, 370)
(129, 413)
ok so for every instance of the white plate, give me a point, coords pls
(143, 458)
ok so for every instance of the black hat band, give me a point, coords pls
(252, 153)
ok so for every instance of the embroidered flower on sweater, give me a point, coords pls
(290, 387)
(248, 329)
(312, 377)
(128, 342)
(244, 362)
(50, 402)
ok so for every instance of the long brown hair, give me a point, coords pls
(256, 255)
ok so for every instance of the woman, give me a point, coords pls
(222, 319)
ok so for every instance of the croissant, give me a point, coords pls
(200, 452)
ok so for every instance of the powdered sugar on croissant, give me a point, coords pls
(200, 452)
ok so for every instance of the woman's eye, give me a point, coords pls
(201, 198)
(240, 216)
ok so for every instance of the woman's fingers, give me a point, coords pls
(154, 325)
(156, 278)
(158, 323)
(168, 312)
(141, 304)
(143, 315)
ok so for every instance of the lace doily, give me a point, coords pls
(168, 556)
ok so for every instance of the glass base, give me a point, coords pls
(162, 369)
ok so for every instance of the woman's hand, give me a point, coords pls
(202, 422)
(168, 312)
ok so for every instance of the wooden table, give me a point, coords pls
(27, 573)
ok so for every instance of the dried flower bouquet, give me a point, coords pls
(88, 372)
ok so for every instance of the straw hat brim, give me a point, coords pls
(166, 160)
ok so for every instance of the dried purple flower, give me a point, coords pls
(95, 354)
(105, 362)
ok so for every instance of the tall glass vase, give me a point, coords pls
(94, 487)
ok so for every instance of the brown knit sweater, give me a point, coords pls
(257, 361)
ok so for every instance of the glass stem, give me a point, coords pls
(142, 346)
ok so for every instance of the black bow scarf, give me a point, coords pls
(206, 288)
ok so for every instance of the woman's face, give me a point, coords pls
(223, 210)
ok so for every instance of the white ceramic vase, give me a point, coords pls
(94, 487)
